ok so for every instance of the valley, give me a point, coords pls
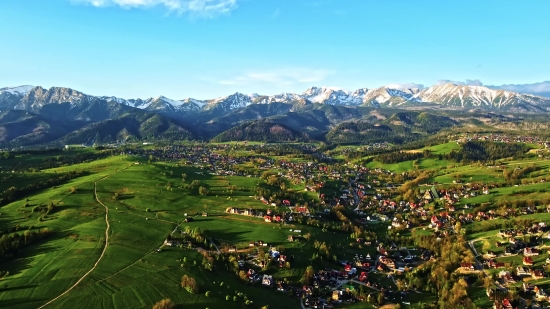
(276, 225)
(247, 154)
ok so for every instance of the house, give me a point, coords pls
(467, 266)
(232, 249)
(431, 194)
(232, 210)
(506, 304)
(387, 261)
(528, 261)
(494, 264)
(485, 190)
(286, 202)
(522, 271)
(506, 276)
(539, 293)
(205, 214)
(537, 274)
(267, 280)
(530, 252)
(282, 286)
(267, 219)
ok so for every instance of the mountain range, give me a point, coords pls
(448, 95)
(35, 115)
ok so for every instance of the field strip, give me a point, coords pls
(102, 253)
(159, 220)
(123, 269)
(148, 253)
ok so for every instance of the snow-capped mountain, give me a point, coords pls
(391, 95)
(234, 101)
(160, 103)
(285, 97)
(332, 96)
(20, 90)
(37, 97)
(11, 96)
(448, 95)
(477, 96)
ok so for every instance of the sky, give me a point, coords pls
(210, 48)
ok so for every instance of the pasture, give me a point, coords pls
(151, 201)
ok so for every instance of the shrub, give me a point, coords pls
(166, 303)
(189, 284)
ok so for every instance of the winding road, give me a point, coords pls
(100, 257)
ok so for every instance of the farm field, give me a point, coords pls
(133, 238)
(232, 205)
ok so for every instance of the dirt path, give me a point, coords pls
(134, 263)
(102, 253)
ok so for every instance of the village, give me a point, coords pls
(374, 199)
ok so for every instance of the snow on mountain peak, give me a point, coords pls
(21, 90)
(174, 103)
(199, 103)
(449, 94)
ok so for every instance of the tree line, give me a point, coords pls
(10, 244)
(473, 151)
(13, 193)
(484, 151)
(56, 161)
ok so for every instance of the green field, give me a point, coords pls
(148, 199)
(132, 274)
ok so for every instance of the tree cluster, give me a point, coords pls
(484, 151)
(10, 244)
(189, 284)
(14, 193)
(400, 156)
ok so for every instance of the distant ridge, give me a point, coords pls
(448, 95)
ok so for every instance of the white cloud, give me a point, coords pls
(206, 8)
(411, 86)
(540, 89)
(468, 82)
(279, 77)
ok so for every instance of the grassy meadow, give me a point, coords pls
(152, 200)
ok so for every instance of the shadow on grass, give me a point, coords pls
(23, 259)
(126, 197)
(6, 288)
(11, 303)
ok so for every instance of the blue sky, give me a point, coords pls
(209, 48)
